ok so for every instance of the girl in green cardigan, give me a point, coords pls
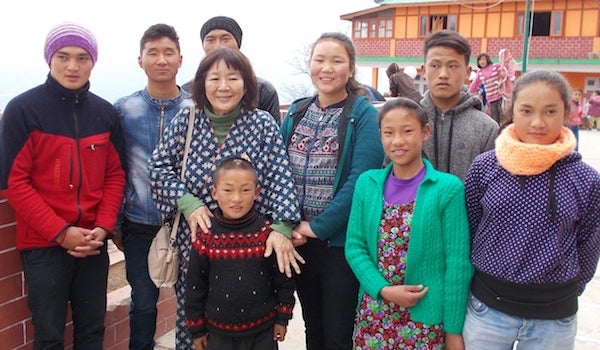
(408, 243)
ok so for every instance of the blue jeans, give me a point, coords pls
(328, 292)
(489, 329)
(55, 278)
(575, 130)
(144, 294)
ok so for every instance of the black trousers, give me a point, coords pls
(328, 293)
(261, 341)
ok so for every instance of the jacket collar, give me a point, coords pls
(165, 102)
(64, 93)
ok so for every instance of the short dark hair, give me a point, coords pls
(450, 39)
(234, 163)
(488, 59)
(233, 59)
(158, 31)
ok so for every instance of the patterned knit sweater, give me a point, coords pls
(231, 288)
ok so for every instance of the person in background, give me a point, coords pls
(331, 138)
(401, 83)
(460, 130)
(575, 118)
(62, 173)
(408, 243)
(533, 214)
(489, 76)
(235, 297)
(223, 128)
(225, 31)
(593, 111)
(144, 116)
(374, 95)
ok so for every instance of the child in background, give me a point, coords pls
(489, 75)
(408, 243)
(575, 118)
(233, 293)
(593, 111)
(535, 225)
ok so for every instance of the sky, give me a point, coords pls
(274, 34)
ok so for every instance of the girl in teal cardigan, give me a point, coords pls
(408, 243)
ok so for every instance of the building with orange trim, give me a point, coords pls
(564, 35)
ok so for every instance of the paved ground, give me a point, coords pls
(588, 331)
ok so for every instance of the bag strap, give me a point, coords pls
(188, 140)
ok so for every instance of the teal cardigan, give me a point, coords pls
(439, 245)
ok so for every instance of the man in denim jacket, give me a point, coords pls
(144, 115)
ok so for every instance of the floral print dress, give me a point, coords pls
(382, 324)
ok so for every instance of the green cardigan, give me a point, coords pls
(439, 246)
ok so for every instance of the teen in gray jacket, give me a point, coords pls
(460, 130)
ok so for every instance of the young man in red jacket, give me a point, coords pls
(61, 171)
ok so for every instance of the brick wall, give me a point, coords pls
(539, 47)
(16, 331)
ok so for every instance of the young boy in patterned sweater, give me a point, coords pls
(233, 293)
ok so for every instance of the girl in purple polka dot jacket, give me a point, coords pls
(534, 216)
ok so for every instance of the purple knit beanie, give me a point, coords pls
(70, 34)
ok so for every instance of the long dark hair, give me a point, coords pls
(352, 85)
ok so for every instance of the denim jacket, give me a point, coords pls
(143, 119)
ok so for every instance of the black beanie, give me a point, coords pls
(225, 23)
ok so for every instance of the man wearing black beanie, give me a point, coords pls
(225, 31)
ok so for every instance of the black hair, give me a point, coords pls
(158, 31)
(234, 163)
(551, 78)
(352, 85)
(450, 39)
(403, 102)
(488, 59)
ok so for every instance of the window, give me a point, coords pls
(373, 28)
(431, 24)
(556, 23)
(360, 29)
(423, 29)
(385, 28)
(521, 24)
(542, 23)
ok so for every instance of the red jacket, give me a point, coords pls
(60, 162)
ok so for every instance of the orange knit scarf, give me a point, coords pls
(520, 158)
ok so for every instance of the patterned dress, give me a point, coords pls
(382, 324)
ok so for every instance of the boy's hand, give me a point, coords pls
(279, 332)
